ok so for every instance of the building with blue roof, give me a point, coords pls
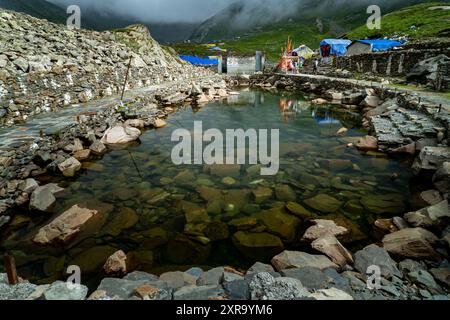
(334, 47)
(368, 46)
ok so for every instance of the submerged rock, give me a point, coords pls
(257, 245)
(300, 211)
(65, 227)
(367, 143)
(279, 223)
(324, 203)
(116, 263)
(380, 204)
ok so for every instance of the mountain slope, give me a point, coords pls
(162, 32)
(335, 23)
(245, 18)
(37, 8)
(424, 20)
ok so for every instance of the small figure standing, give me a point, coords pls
(315, 65)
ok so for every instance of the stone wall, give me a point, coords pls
(393, 63)
(44, 66)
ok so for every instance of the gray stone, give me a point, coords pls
(400, 223)
(230, 277)
(424, 279)
(442, 276)
(237, 290)
(331, 294)
(42, 199)
(195, 272)
(29, 185)
(375, 256)
(20, 291)
(441, 178)
(431, 158)
(199, 293)
(429, 216)
(408, 266)
(295, 259)
(98, 148)
(265, 287)
(177, 279)
(211, 277)
(66, 291)
(311, 278)
(122, 289)
(415, 243)
(260, 267)
(141, 276)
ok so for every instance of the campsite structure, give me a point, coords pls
(368, 46)
(333, 47)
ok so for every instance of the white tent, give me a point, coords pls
(304, 52)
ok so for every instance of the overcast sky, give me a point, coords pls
(155, 10)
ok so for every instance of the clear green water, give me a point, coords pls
(145, 199)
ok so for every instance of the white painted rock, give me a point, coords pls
(120, 135)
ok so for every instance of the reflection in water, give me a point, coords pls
(167, 217)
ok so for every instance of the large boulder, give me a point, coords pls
(415, 243)
(265, 287)
(120, 135)
(374, 255)
(441, 178)
(296, 259)
(429, 216)
(43, 198)
(431, 159)
(65, 227)
(426, 71)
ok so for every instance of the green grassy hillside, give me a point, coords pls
(270, 39)
(420, 21)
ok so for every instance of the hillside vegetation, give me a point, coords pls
(420, 21)
(270, 39)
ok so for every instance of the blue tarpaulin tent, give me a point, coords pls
(381, 44)
(334, 47)
(196, 61)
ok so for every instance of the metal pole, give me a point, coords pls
(126, 79)
(10, 267)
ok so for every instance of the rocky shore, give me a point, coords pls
(413, 248)
(46, 67)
